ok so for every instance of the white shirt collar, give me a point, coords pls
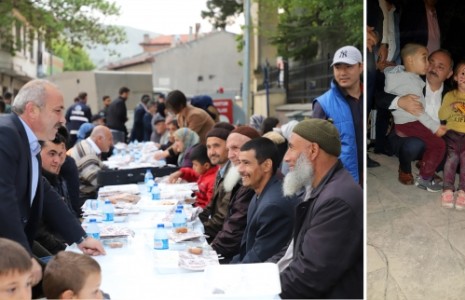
(94, 146)
(34, 145)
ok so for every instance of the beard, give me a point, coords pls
(231, 178)
(300, 177)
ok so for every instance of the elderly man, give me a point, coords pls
(215, 212)
(325, 259)
(270, 217)
(26, 197)
(408, 149)
(228, 240)
(87, 155)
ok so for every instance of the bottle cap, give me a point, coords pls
(161, 226)
(178, 211)
(92, 221)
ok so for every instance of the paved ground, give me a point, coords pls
(416, 248)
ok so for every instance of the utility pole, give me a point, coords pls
(246, 65)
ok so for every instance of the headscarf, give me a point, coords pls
(189, 139)
(256, 122)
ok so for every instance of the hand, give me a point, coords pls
(441, 131)
(411, 104)
(173, 178)
(91, 246)
(381, 65)
(372, 38)
(36, 272)
(160, 155)
(382, 53)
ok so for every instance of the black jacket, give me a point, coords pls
(328, 242)
(18, 218)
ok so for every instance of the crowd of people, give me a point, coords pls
(418, 84)
(286, 193)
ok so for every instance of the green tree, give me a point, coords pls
(74, 22)
(311, 27)
(221, 13)
(74, 58)
(306, 28)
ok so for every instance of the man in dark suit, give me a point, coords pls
(270, 217)
(26, 196)
(137, 132)
(117, 113)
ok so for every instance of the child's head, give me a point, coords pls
(459, 76)
(415, 58)
(70, 274)
(200, 161)
(15, 271)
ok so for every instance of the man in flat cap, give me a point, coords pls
(325, 258)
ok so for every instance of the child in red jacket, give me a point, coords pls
(202, 171)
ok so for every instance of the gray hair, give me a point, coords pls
(33, 91)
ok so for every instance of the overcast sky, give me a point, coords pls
(164, 16)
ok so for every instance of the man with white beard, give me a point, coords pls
(327, 250)
(228, 240)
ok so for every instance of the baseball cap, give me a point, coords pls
(347, 55)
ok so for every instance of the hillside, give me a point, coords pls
(101, 57)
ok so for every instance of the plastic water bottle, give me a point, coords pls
(155, 192)
(160, 238)
(178, 219)
(108, 211)
(93, 230)
(183, 211)
(148, 176)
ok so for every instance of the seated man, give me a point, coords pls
(409, 149)
(87, 153)
(325, 259)
(53, 154)
(228, 240)
(214, 213)
(270, 217)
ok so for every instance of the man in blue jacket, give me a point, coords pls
(343, 103)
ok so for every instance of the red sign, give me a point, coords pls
(225, 108)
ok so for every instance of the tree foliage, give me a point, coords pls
(74, 58)
(221, 13)
(306, 28)
(309, 27)
(73, 22)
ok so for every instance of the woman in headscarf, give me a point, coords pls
(184, 140)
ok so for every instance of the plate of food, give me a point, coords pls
(197, 258)
(181, 234)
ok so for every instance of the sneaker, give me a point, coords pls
(447, 199)
(405, 178)
(429, 185)
(460, 201)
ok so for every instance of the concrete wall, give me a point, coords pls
(200, 66)
(98, 84)
(276, 98)
(141, 68)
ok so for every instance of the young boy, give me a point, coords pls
(15, 271)
(202, 171)
(404, 80)
(71, 275)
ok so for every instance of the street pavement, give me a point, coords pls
(416, 248)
